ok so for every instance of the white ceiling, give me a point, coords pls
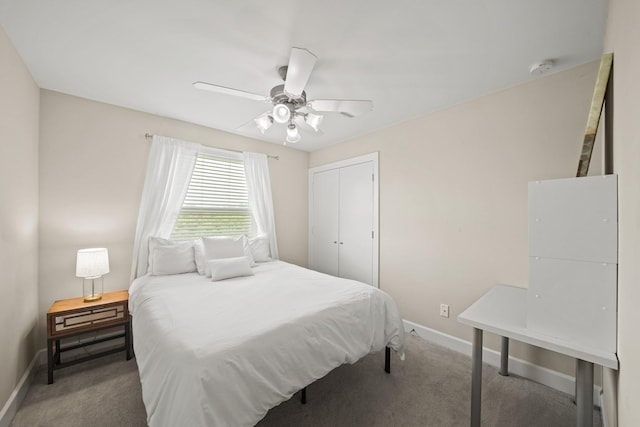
(409, 56)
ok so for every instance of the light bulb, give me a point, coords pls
(281, 113)
(264, 122)
(293, 135)
(313, 120)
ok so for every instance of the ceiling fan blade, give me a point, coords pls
(348, 107)
(229, 91)
(301, 63)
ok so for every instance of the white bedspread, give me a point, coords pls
(224, 353)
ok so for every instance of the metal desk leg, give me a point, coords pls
(584, 393)
(575, 391)
(504, 357)
(476, 377)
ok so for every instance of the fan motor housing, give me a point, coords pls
(278, 96)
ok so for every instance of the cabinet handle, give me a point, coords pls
(334, 242)
(342, 243)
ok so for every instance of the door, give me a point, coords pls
(343, 219)
(356, 223)
(323, 245)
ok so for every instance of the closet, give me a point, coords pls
(343, 218)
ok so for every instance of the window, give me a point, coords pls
(216, 203)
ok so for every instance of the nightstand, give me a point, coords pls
(72, 317)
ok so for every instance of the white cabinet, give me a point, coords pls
(343, 219)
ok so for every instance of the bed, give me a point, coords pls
(223, 353)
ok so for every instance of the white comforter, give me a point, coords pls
(224, 353)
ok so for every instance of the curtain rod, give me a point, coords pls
(150, 135)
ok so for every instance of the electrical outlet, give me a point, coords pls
(444, 310)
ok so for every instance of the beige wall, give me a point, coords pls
(92, 165)
(19, 99)
(453, 195)
(623, 34)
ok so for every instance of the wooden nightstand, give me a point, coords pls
(71, 317)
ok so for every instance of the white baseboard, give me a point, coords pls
(19, 393)
(556, 380)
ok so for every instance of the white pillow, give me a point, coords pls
(227, 268)
(260, 248)
(201, 260)
(176, 258)
(225, 247)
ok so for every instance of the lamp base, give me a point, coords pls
(92, 288)
(91, 298)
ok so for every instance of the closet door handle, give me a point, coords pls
(334, 242)
(342, 243)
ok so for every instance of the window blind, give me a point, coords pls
(216, 203)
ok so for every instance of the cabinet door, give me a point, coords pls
(356, 222)
(324, 222)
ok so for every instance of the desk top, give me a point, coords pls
(503, 310)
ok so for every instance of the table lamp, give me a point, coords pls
(91, 264)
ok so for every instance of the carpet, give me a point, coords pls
(430, 388)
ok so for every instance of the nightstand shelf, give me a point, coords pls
(72, 317)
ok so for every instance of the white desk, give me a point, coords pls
(503, 311)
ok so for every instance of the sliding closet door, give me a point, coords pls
(324, 222)
(356, 222)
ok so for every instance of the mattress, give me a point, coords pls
(223, 353)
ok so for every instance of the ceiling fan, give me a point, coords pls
(290, 104)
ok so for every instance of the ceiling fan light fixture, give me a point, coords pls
(288, 102)
(293, 135)
(281, 113)
(313, 120)
(264, 123)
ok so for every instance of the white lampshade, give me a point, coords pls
(92, 262)
(293, 135)
(313, 120)
(264, 122)
(281, 113)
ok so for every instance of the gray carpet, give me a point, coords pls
(430, 388)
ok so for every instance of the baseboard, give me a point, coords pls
(19, 393)
(556, 380)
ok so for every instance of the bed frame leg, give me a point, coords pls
(303, 396)
(387, 360)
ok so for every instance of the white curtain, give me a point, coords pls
(256, 170)
(169, 169)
